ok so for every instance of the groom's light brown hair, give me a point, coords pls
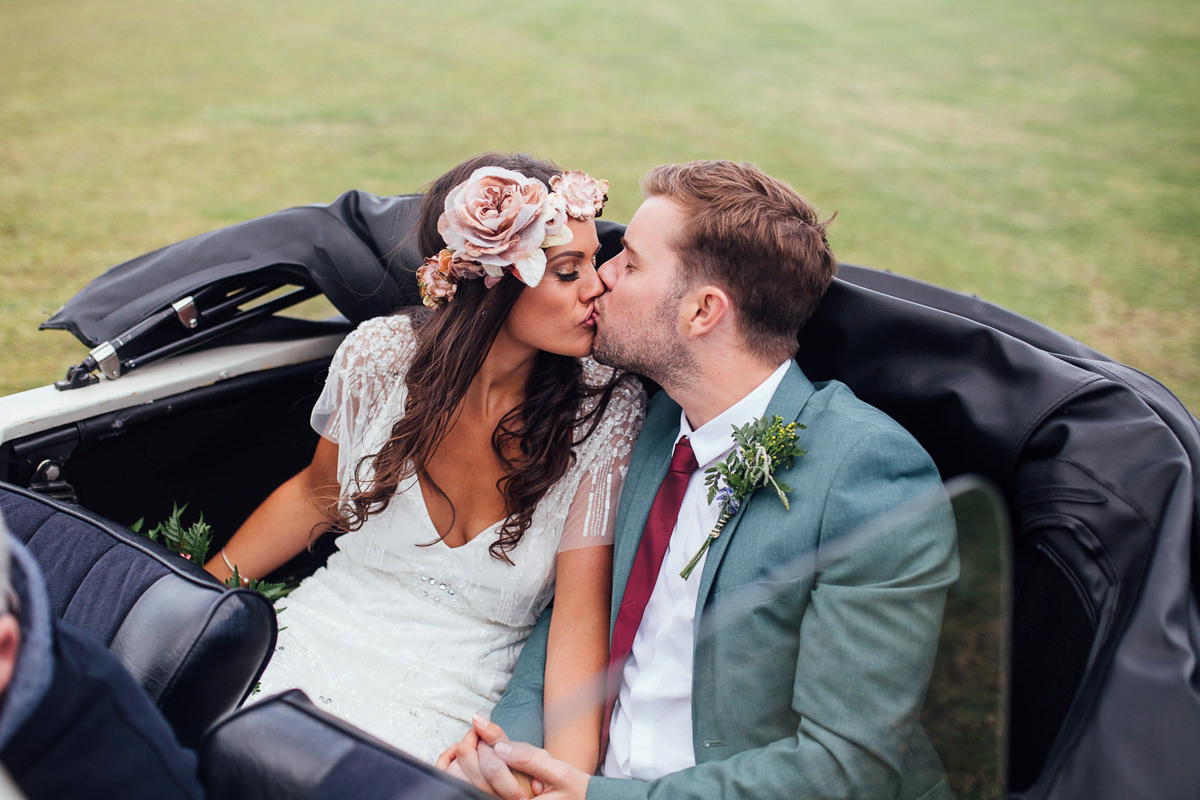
(755, 237)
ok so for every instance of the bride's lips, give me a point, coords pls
(590, 320)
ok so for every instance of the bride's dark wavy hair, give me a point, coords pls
(540, 434)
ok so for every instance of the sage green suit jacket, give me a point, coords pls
(816, 627)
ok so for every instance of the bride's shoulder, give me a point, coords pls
(628, 397)
(378, 345)
(610, 438)
(394, 328)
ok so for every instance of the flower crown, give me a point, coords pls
(499, 220)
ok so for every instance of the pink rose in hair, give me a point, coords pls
(497, 218)
(585, 196)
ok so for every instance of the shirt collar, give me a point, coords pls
(714, 439)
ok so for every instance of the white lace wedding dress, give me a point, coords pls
(398, 633)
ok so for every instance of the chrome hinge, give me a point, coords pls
(106, 358)
(186, 311)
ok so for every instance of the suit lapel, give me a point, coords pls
(788, 401)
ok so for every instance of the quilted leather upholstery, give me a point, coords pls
(196, 647)
(285, 748)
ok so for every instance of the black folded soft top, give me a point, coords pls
(354, 250)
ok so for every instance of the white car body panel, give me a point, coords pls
(45, 407)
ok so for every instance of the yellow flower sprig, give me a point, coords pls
(761, 448)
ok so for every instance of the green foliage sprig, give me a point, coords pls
(272, 591)
(761, 448)
(193, 542)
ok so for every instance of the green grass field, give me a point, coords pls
(1044, 156)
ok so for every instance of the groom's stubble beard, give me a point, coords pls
(652, 349)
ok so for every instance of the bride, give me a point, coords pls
(474, 455)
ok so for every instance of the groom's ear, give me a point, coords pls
(704, 308)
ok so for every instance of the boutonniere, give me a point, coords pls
(761, 448)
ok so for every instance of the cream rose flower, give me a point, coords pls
(585, 196)
(555, 215)
(497, 218)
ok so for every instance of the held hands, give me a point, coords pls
(474, 761)
(487, 759)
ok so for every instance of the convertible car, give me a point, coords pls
(1068, 666)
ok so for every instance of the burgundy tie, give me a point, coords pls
(646, 564)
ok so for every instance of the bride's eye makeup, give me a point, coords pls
(566, 266)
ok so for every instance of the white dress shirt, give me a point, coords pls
(651, 730)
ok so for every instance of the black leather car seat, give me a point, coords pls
(196, 647)
(285, 748)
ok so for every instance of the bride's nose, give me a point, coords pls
(591, 286)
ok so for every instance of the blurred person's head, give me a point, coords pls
(10, 631)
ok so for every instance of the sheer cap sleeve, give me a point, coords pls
(365, 382)
(603, 462)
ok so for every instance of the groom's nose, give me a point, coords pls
(608, 271)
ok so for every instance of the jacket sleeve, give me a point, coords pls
(519, 711)
(868, 612)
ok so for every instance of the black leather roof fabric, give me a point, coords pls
(1097, 464)
(354, 250)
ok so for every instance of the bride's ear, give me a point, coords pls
(704, 309)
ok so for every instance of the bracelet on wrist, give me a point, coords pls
(233, 570)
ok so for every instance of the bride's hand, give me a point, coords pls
(446, 759)
(447, 762)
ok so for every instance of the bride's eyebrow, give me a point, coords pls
(565, 254)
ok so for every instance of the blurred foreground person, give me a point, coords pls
(73, 722)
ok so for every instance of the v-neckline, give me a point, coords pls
(420, 487)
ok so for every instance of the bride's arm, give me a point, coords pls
(577, 656)
(577, 643)
(285, 522)
(360, 372)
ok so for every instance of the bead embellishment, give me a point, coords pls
(438, 588)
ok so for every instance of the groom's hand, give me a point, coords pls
(473, 760)
(555, 779)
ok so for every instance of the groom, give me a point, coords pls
(793, 660)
